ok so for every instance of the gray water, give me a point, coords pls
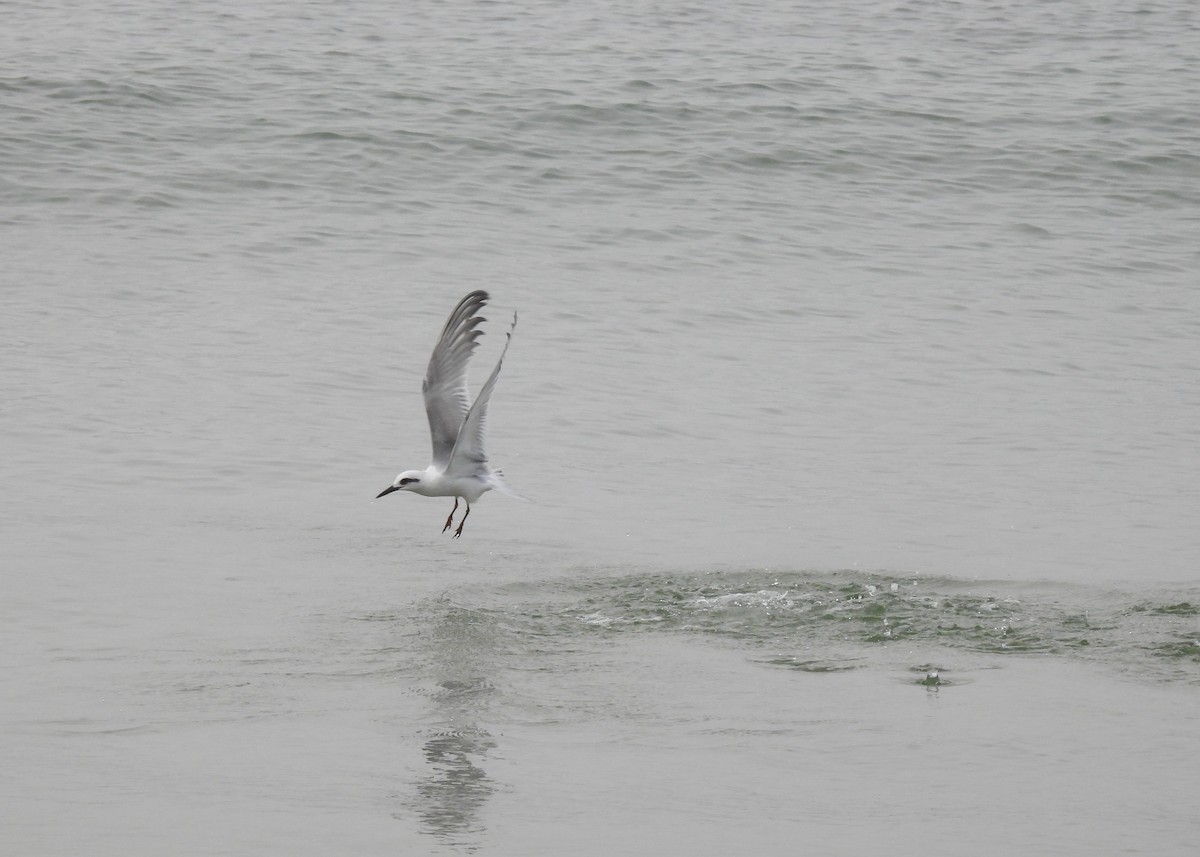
(856, 388)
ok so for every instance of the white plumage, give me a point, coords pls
(460, 464)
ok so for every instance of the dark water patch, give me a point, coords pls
(1187, 647)
(1183, 608)
(813, 666)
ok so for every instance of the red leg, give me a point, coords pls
(458, 532)
(450, 520)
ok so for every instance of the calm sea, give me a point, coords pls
(856, 388)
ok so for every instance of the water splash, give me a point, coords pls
(830, 622)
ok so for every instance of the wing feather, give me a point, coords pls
(447, 402)
(469, 457)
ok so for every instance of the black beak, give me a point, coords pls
(387, 490)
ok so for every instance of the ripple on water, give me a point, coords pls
(832, 622)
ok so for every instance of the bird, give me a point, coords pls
(460, 463)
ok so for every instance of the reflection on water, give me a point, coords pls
(461, 657)
(452, 794)
(930, 632)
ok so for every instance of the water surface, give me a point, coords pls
(855, 387)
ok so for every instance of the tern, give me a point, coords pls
(460, 463)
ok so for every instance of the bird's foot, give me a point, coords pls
(467, 513)
(450, 517)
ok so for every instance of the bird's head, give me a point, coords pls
(409, 480)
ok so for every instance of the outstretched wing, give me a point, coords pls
(447, 402)
(469, 457)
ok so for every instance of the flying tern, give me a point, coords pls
(460, 463)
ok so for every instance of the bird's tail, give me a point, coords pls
(496, 478)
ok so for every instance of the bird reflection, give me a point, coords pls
(452, 795)
(449, 799)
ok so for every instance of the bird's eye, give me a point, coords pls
(406, 481)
